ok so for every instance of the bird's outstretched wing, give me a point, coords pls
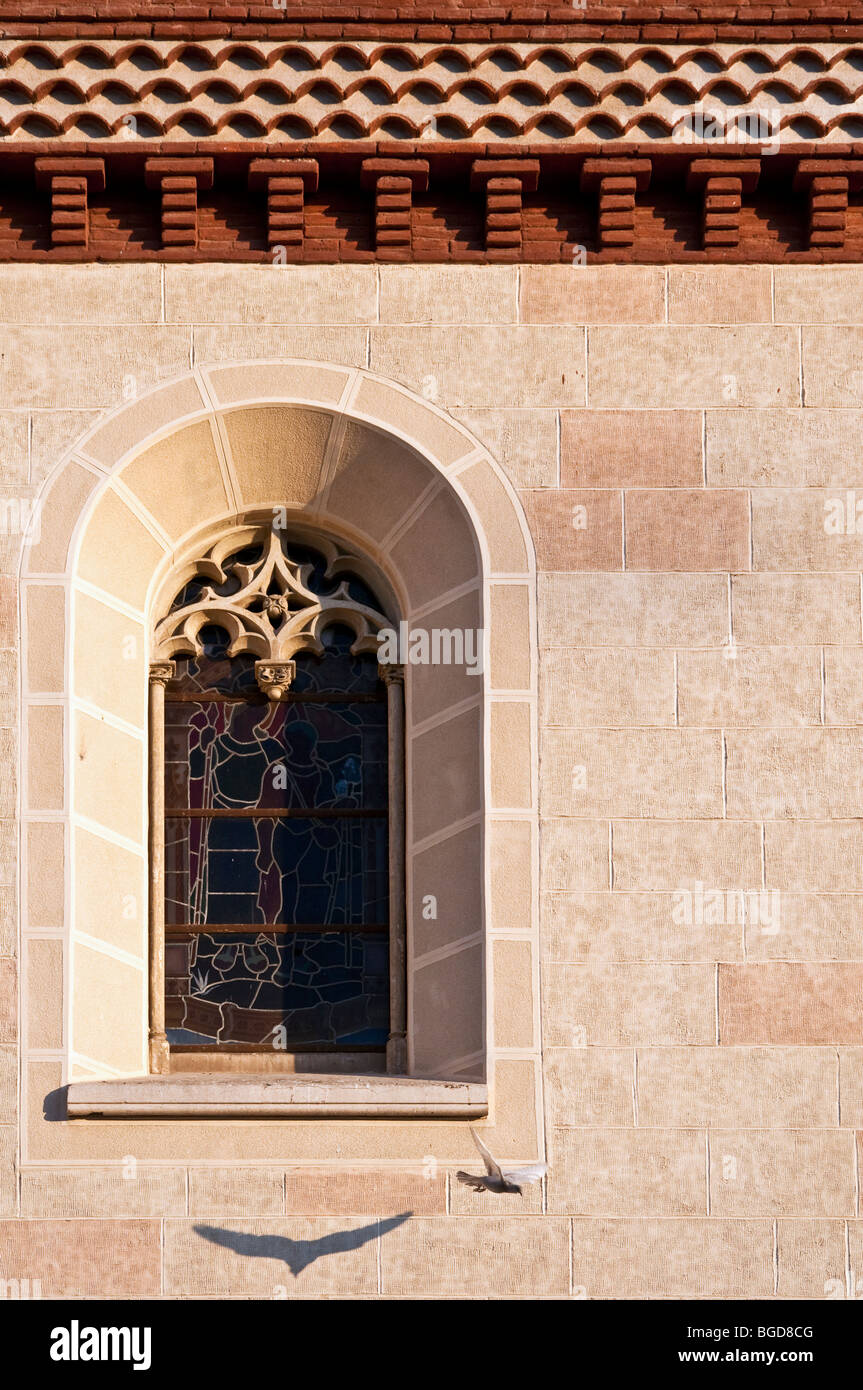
(472, 1181)
(521, 1176)
(492, 1168)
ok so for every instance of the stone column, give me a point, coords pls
(160, 673)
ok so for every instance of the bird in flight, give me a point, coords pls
(497, 1179)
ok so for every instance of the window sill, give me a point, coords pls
(291, 1097)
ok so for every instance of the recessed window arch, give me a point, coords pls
(277, 810)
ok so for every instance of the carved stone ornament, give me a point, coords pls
(266, 604)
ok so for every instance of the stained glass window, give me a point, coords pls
(276, 847)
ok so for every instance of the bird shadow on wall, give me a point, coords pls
(299, 1254)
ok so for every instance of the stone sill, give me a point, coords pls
(290, 1097)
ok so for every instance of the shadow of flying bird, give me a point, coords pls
(497, 1179)
(299, 1254)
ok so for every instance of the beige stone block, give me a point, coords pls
(447, 872)
(675, 855)
(478, 1256)
(631, 448)
(8, 768)
(592, 294)
(510, 850)
(377, 480)
(854, 1287)
(448, 294)
(754, 686)
(509, 367)
(622, 1004)
(52, 434)
(45, 763)
(574, 854)
(264, 1258)
(111, 896)
(429, 569)
(46, 874)
(8, 1084)
(9, 914)
(811, 1259)
(398, 411)
(59, 511)
(43, 963)
(356, 1192)
(831, 376)
(793, 1172)
(447, 1010)
(738, 1087)
(633, 610)
(108, 1022)
(45, 610)
(654, 773)
(814, 854)
(509, 640)
(524, 442)
(8, 612)
(8, 688)
(110, 668)
(851, 1088)
(599, 1172)
(439, 685)
(84, 1258)
(125, 1189)
(277, 453)
(446, 757)
(720, 294)
(8, 1171)
(682, 529)
(606, 687)
(340, 345)
(14, 448)
(818, 294)
(790, 531)
(114, 531)
(675, 367)
(266, 381)
(236, 1192)
(511, 1129)
(276, 294)
(843, 691)
(109, 775)
(576, 529)
(673, 1258)
(142, 418)
(804, 926)
(790, 1003)
(512, 985)
(795, 609)
(589, 1086)
(80, 294)
(498, 518)
(811, 774)
(179, 480)
(783, 448)
(85, 365)
(633, 926)
(512, 772)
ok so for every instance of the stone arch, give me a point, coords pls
(364, 458)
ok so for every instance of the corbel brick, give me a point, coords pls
(69, 180)
(178, 181)
(285, 183)
(615, 182)
(394, 182)
(722, 183)
(504, 181)
(827, 184)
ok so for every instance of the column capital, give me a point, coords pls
(162, 671)
(392, 672)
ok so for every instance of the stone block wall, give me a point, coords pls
(685, 444)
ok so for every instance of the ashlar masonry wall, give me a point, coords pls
(685, 445)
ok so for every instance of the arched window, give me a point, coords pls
(276, 812)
